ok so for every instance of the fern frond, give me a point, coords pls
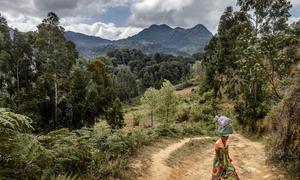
(10, 122)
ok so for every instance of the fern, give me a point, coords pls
(12, 122)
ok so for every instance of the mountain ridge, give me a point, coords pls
(156, 38)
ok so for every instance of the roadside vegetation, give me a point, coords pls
(67, 117)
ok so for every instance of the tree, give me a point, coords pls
(78, 96)
(167, 102)
(273, 48)
(222, 53)
(235, 60)
(150, 102)
(100, 91)
(4, 34)
(4, 50)
(16, 66)
(20, 66)
(114, 115)
(92, 95)
(248, 55)
(197, 69)
(55, 57)
(125, 83)
(269, 16)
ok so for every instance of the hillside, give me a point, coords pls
(156, 38)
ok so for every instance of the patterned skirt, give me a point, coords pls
(228, 172)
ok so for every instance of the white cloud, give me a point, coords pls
(25, 15)
(21, 22)
(293, 19)
(295, 2)
(77, 15)
(183, 13)
(107, 31)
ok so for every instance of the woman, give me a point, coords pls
(222, 165)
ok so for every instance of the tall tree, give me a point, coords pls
(125, 83)
(55, 57)
(4, 49)
(167, 102)
(150, 101)
(267, 15)
(20, 65)
(100, 91)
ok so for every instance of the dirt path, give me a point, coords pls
(248, 157)
(186, 91)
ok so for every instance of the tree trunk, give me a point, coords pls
(56, 101)
(18, 86)
(167, 115)
(152, 119)
(273, 83)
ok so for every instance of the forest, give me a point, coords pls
(64, 116)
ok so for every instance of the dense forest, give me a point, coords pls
(63, 116)
(56, 90)
(43, 77)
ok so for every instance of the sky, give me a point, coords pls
(118, 19)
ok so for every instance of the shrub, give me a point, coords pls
(86, 153)
(137, 117)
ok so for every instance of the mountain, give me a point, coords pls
(156, 38)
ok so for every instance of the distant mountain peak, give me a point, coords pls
(155, 38)
(160, 26)
(199, 26)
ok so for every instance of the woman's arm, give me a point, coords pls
(229, 159)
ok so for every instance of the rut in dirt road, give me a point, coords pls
(248, 157)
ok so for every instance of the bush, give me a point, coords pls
(282, 157)
(137, 117)
(86, 153)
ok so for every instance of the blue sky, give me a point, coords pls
(117, 15)
(296, 11)
(116, 19)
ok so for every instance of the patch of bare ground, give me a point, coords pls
(191, 159)
(186, 91)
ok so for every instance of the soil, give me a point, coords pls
(248, 157)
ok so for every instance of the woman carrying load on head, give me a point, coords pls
(222, 164)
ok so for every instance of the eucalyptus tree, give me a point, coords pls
(54, 58)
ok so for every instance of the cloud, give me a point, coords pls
(183, 13)
(85, 15)
(25, 15)
(64, 8)
(295, 2)
(21, 22)
(107, 31)
(293, 19)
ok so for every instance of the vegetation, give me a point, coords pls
(53, 98)
(36, 69)
(151, 70)
(248, 59)
(283, 125)
(251, 62)
(62, 96)
(87, 153)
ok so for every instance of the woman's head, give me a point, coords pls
(224, 137)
